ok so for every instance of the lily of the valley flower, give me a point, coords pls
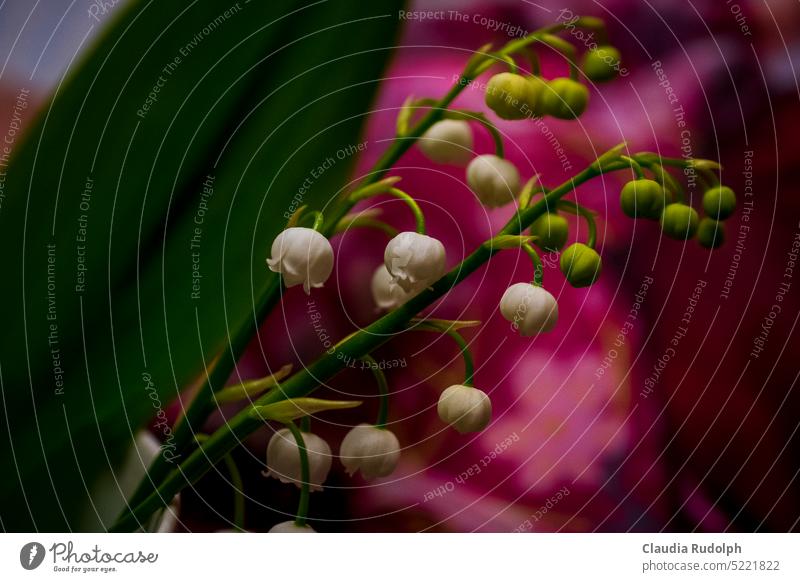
(373, 451)
(465, 408)
(386, 293)
(447, 142)
(302, 256)
(494, 180)
(531, 309)
(414, 260)
(291, 527)
(283, 459)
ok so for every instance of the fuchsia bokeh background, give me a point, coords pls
(714, 446)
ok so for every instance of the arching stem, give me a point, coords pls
(469, 365)
(305, 474)
(538, 269)
(635, 166)
(238, 492)
(355, 221)
(419, 217)
(383, 391)
(586, 214)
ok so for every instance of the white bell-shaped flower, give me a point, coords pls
(414, 260)
(373, 451)
(494, 180)
(448, 142)
(465, 408)
(302, 256)
(283, 459)
(386, 292)
(529, 308)
(291, 527)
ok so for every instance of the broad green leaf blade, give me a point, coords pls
(173, 260)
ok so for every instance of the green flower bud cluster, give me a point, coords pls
(719, 203)
(679, 221)
(602, 64)
(564, 98)
(551, 231)
(581, 265)
(643, 198)
(513, 96)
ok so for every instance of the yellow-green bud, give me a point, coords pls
(719, 202)
(512, 96)
(564, 98)
(710, 233)
(642, 199)
(679, 221)
(551, 231)
(581, 265)
(602, 63)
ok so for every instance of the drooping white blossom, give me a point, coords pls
(283, 459)
(465, 408)
(447, 142)
(303, 257)
(529, 308)
(373, 451)
(414, 260)
(385, 291)
(291, 527)
(494, 180)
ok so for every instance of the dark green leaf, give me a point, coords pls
(263, 95)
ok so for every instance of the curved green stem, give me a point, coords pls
(667, 180)
(419, 217)
(469, 364)
(318, 220)
(349, 222)
(238, 492)
(567, 51)
(465, 115)
(305, 474)
(533, 58)
(383, 391)
(538, 269)
(512, 64)
(635, 166)
(586, 214)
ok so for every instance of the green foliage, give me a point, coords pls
(259, 97)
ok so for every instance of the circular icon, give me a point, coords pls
(31, 555)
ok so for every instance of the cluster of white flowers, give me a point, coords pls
(372, 450)
(494, 180)
(412, 263)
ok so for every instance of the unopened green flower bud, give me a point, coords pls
(512, 96)
(564, 98)
(710, 233)
(679, 221)
(642, 199)
(602, 63)
(719, 202)
(551, 231)
(581, 265)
